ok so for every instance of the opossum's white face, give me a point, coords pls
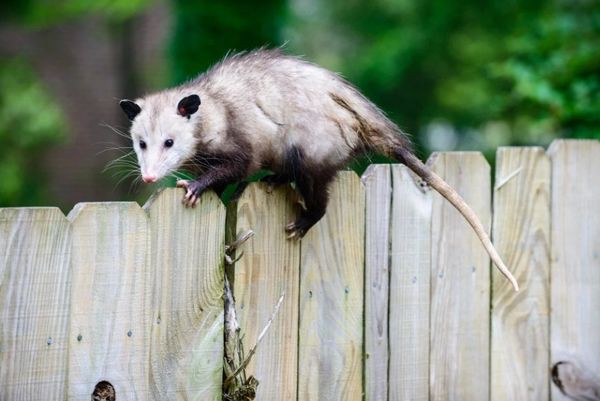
(162, 134)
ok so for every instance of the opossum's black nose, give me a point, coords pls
(149, 178)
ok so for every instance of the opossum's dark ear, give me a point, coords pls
(130, 108)
(188, 105)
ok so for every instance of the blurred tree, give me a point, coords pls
(205, 31)
(88, 55)
(43, 13)
(464, 74)
(553, 72)
(30, 121)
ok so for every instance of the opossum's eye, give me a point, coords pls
(168, 143)
(142, 144)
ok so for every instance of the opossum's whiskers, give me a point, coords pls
(120, 162)
(116, 130)
(124, 177)
(134, 184)
(121, 149)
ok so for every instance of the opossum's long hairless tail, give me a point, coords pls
(378, 133)
(407, 157)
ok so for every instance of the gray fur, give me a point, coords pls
(277, 102)
(264, 109)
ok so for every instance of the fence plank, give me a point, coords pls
(331, 298)
(111, 309)
(187, 259)
(35, 282)
(521, 232)
(575, 270)
(460, 291)
(270, 266)
(409, 288)
(378, 185)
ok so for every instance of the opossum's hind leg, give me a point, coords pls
(314, 189)
(275, 180)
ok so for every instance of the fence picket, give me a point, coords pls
(409, 288)
(187, 325)
(575, 269)
(460, 284)
(521, 233)
(35, 281)
(378, 185)
(269, 267)
(111, 308)
(331, 298)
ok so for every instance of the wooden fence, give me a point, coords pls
(390, 297)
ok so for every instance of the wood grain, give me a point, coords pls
(331, 298)
(575, 269)
(35, 280)
(460, 284)
(269, 267)
(521, 233)
(187, 249)
(378, 186)
(409, 287)
(112, 295)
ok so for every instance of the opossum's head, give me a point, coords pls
(162, 131)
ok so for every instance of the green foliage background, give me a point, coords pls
(455, 75)
(478, 74)
(30, 122)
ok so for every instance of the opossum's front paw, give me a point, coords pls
(193, 190)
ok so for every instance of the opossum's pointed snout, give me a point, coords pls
(147, 178)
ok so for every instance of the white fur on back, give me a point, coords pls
(275, 101)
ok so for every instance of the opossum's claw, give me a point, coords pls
(294, 232)
(192, 194)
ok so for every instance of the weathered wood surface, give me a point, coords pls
(575, 269)
(460, 284)
(378, 186)
(187, 321)
(35, 280)
(409, 287)
(112, 302)
(521, 233)
(386, 298)
(331, 298)
(269, 267)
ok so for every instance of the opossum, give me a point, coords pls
(267, 110)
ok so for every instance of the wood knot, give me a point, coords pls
(104, 391)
